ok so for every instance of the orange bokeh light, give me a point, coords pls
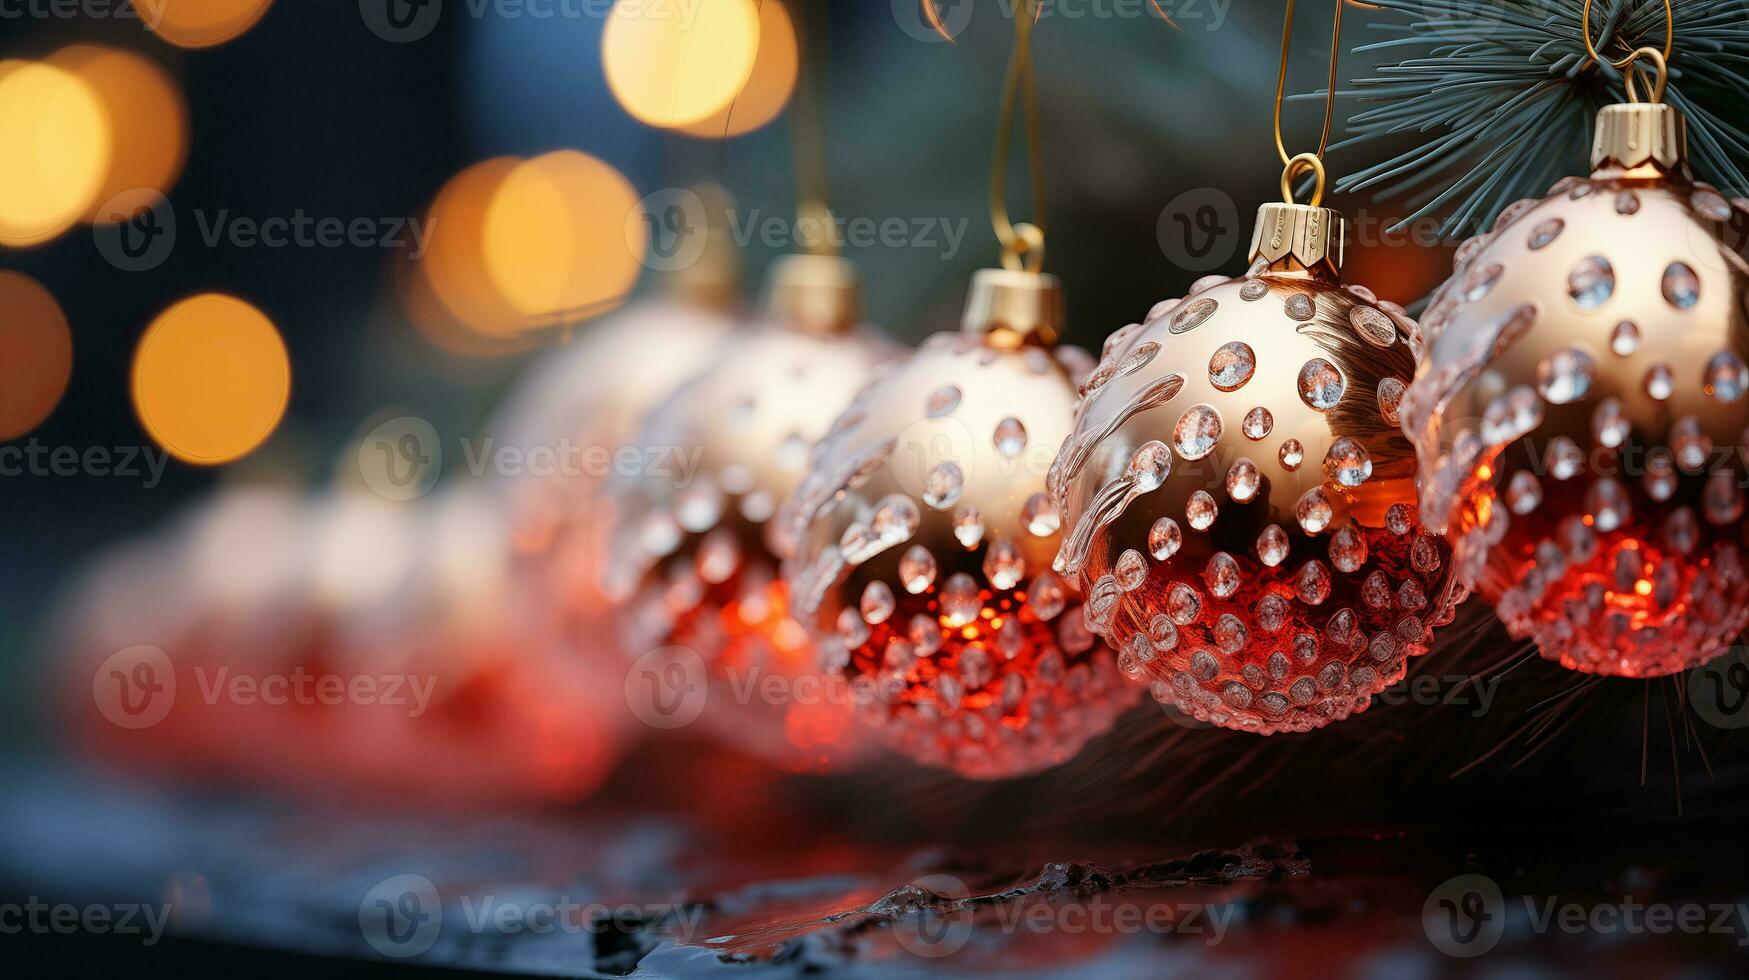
(211, 379)
(523, 246)
(146, 116)
(54, 151)
(768, 88)
(36, 355)
(554, 237)
(200, 23)
(671, 66)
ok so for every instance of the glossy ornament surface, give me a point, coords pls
(694, 556)
(1239, 502)
(1581, 415)
(924, 540)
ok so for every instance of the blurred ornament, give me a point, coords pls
(574, 419)
(1581, 413)
(503, 711)
(1240, 500)
(924, 536)
(694, 556)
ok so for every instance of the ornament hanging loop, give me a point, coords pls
(1025, 250)
(1287, 33)
(1303, 164)
(1595, 58)
(1024, 241)
(1661, 76)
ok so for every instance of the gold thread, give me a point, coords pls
(1295, 164)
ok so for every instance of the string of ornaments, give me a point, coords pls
(1259, 504)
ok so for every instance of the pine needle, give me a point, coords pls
(1494, 92)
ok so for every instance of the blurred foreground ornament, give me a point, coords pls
(1239, 499)
(694, 556)
(573, 420)
(924, 537)
(1581, 413)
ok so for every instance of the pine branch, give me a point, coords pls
(1500, 102)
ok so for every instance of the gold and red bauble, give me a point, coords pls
(694, 557)
(924, 538)
(1239, 501)
(1581, 413)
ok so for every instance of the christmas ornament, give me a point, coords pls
(1581, 413)
(924, 532)
(572, 420)
(924, 543)
(1239, 501)
(694, 556)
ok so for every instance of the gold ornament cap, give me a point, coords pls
(817, 294)
(1640, 136)
(713, 281)
(1299, 239)
(1011, 308)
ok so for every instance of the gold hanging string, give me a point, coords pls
(1306, 162)
(808, 131)
(1660, 60)
(1591, 48)
(1023, 244)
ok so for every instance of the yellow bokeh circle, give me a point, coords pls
(769, 86)
(54, 152)
(675, 64)
(553, 239)
(211, 379)
(145, 114)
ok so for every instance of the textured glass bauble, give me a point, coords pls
(1240, 504)
(1581, 415)
(924, 540)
